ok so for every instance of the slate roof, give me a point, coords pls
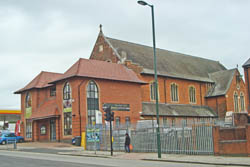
(40, 81)
(247, 63)
(101, 70)
(223, 80)
(169, 63)
(177, 110)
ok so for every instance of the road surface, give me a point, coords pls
(27, 159)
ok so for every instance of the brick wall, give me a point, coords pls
(109, 92)
(232, 141)
(247, 81)
(220, 104)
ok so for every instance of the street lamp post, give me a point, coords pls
(155, 75)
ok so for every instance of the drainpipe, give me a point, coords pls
(79, 102)
(217, 107)
(248, 89)
(165, 91)
(200, 94)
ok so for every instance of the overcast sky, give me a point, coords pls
(51, 35)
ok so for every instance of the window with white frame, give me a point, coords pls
(67, 91)
(174, 92)
(53, 91)
(67, 100)
(192, 96)
(127, 120)
(152, 91)
(92, 101)
(165, 121)
(242, 102)
(236, 104)
(28, 100)
(28, 129)
(173, 122)
(117, 121)
(67, 123)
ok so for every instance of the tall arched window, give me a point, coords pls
(66, 91)
(67, 109)
(242, 102)
(236, 104)
(152, 91)
(92, 101)
(192, 96)
(28, 100)
(174, 92)
(28, 112)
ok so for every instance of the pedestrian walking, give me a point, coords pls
(127, 143)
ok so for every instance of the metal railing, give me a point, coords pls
(194, 138)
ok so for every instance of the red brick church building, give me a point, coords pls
(58, 106)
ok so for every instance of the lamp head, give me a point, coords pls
(142, 3)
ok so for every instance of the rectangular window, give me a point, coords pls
(152, 91)
(93, 103)
(53, 91)
(184, 122)
(117, 121)
(28, 129)
(165, 122)
(236, 104)
(67, 123)
(127, 120)
(173, 122)
(242, 103)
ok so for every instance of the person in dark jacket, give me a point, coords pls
(127, 143)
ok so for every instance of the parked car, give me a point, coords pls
(10, 138)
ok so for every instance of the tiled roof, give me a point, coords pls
(169, 63)
(177, 110)
(40, 81)
(247, 63)
(100, 70)
(223, 80)
(46, 110)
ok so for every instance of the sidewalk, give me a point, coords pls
(68, 149)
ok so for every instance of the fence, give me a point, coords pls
(185, 139)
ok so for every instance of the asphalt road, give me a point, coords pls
(26, 159)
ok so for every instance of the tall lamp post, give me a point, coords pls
(156, 82)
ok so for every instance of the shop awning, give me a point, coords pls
(6, 111)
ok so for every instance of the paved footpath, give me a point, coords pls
(68, 149)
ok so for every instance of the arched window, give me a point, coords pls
(92, 101)
(28, 100)
(236, 104)
(192, 96)
(67, 109)
(242, 102)
(66, 91)
(174, 92)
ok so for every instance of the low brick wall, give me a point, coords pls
(232, 141)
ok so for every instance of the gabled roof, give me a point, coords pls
(247, 63)
(223, 80)
(177, 110)
(40, 81)
(169, 63)
(101, 70)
